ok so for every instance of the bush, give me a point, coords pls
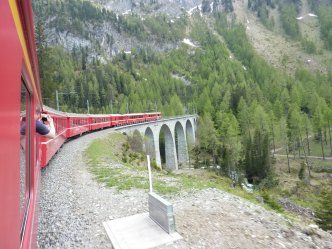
(154, 165)
(308, 46)
(301, 172)
(268, 182)
(124, 159)
(125, 146)
(135, 142)
(271, 202)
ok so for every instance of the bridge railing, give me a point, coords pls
(156, 121)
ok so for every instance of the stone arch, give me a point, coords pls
(170, 151)
(181, 144)
(150, 147)
(190, 134)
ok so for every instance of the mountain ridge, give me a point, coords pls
(124, 28)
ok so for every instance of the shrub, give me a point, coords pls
(308, 46)
(268, 182)
(301, 172)
(154, 165)
(271, 202)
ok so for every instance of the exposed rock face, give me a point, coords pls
(104, 39)
(152, 7)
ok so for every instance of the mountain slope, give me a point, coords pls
(280, 51)
(142, 24)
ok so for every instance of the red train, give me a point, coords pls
(22, 151)
(68, 125)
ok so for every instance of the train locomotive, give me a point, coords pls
(23, 152)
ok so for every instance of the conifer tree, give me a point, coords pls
(324, 212)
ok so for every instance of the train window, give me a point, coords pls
(25, 127)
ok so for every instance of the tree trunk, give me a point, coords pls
(328, 121)
(307, 134)
(287, 158)
(294, 149)
(321, 144)
(274, 147)
(306, 160)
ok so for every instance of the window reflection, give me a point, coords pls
(24, 148)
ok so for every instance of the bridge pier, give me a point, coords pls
(182, 148)
(157, 150)
(170, 149)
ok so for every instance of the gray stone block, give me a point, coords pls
(161, 212)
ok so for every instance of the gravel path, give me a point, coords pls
(73, 206)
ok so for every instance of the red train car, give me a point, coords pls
(20, 103)
(152, 116)
(77, 124)
(50, 146)
(135, 118)
(118, 120)
(99, 121)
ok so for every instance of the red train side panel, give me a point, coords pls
(19, 168)
(99, 122)
(77, 125)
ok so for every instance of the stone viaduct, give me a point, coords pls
(179, 133)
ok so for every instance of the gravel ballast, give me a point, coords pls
(73, 206)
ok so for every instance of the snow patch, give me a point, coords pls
(309, 14)
(189, 42)
(182, 78)
(127, 12)
(191, 11)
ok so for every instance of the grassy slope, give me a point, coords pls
(106, 158)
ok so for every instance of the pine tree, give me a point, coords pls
(324, 212)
